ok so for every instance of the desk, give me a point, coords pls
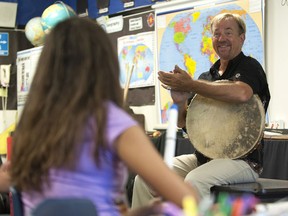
(275, 159)
(266, 190)
(275, 164)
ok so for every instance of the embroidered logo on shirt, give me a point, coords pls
(237, 75)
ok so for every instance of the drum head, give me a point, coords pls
(220, 129)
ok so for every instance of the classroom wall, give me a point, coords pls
(276, 45)
(276, 64)
(8, 107)
(277, 58)
(27, 9)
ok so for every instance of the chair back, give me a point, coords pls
(65, 206)
(16, 205)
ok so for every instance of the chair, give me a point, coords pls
(65, 206)
(266, 190)
(16, 205)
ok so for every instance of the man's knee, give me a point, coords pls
(200, 183)
(137, 182)
(142, 193)
(140, 186)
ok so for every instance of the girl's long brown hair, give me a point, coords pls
(76, 73)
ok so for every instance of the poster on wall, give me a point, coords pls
(26, 65)
(136, 59)
(186, 34)
(134, 40)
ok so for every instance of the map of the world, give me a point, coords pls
(141, 58)
(186, 40)
(136, 59)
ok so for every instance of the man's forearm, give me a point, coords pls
(182, 112)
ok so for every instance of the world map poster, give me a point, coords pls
(136, 59)
(184, 39)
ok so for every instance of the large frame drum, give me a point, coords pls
(220, 129)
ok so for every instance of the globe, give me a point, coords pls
(54, 14)
(34, 31)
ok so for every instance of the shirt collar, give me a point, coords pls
(215, 67)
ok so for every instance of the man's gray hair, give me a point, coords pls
(225, 16)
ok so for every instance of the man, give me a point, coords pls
(246, 78)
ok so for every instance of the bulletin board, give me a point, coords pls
(15, 41)
(135, 47)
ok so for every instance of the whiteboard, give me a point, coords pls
(277, 58)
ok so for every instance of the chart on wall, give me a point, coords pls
(136, 59)
(26, 65)
(184, 39)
